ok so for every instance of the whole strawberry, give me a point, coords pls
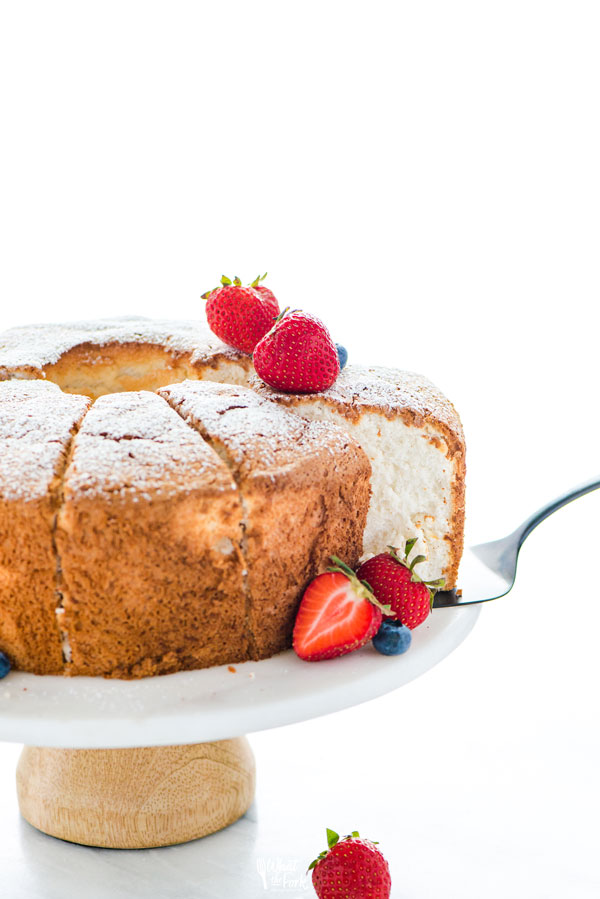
(240, 315)
(395, 583)
(351, 868)
(297, 355)
(337, 615)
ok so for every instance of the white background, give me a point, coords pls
(425, 177)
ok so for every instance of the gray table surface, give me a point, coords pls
(480, 779)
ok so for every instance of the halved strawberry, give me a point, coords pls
(337, 615)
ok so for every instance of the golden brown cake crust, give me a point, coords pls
(305, 488)
(119, 354)
(148, 537)
(37, 423)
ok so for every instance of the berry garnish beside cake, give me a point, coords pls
(171, 501)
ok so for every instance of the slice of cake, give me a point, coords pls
(415, 443)
(37, 422)
(118, 354)
(305, 492)
(149, 538)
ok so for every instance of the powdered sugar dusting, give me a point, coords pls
(135, 445)
(31, 347)
(261, 438)
(390, 391)
(36, 423)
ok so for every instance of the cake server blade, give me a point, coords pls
(488, 570)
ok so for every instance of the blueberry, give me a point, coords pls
(4, 665)
(342, 354)
(392, 638)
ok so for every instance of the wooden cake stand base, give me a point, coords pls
(136, 798)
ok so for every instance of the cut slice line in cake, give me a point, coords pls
(148, 537)
(305, 491)
(164, 557)
(37, 426)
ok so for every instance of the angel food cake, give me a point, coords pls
(163, 509)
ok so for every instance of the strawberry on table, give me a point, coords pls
(337, 615)
(351, 868)
(297, 355)
(240, 315)
(394, 582)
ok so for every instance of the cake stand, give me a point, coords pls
(158, 761)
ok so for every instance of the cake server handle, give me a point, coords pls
(500, 557)
(522, 533)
